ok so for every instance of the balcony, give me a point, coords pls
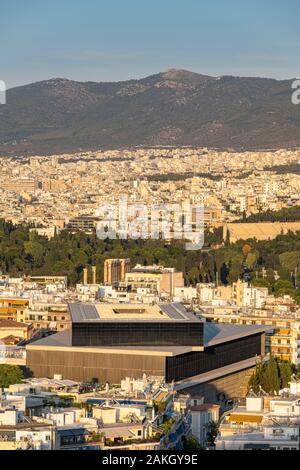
(13, 355)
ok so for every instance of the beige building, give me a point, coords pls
(19, 185)
(260, 231)
(47, 316)
(10, 328)
(155, 279)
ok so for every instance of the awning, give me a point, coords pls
(240, 418)
(73, 432)
(117, 433)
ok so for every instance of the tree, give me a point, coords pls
(159, 406)
(35, 250)
(192, 444)
(289, 260)
(212, 433)
(260, 282)
(256, 379)
(271, 377)
(285, 372)
(10, 375)
(251, 260)
(246, 250)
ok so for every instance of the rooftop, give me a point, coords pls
(214, 334)
(12, 324)
(105, 312)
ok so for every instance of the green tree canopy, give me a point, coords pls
(10, 375)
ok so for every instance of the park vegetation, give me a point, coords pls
(274, 264)
(287, 214)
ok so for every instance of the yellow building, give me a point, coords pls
(8, 313)
(13, 309)
(10, 328)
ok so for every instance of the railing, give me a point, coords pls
(5, 438)
(240, 430)
(12, 355)
(129, 442)
(12, 352)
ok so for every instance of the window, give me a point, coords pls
(137, 333)
(215, 357)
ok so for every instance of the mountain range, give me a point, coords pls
(172, 108)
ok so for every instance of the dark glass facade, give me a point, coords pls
(196, 363)
(137, 334)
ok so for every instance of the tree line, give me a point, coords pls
(274, 264)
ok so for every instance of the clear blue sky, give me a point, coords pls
(103, 40)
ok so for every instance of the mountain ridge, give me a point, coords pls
(175, 107)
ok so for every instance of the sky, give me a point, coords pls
(112, 40)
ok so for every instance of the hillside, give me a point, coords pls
(176, 107)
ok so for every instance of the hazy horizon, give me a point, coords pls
(117, 41)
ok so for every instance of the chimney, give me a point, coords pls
(94, 269)
(85, 276)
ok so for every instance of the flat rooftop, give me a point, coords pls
(106, 312)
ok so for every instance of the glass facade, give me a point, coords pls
(196, 363)
(137, 334)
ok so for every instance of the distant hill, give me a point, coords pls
(176, 107)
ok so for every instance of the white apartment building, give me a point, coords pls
(265, 423)
(202, 416)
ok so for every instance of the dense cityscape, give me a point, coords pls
(149, 231)
(140, 344)
(53, 191)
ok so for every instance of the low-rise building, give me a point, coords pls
(265, 423)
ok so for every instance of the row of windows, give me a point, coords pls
(42, 318)
(258, 321)
(138, 334)
(216, 357)
(61, 327)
